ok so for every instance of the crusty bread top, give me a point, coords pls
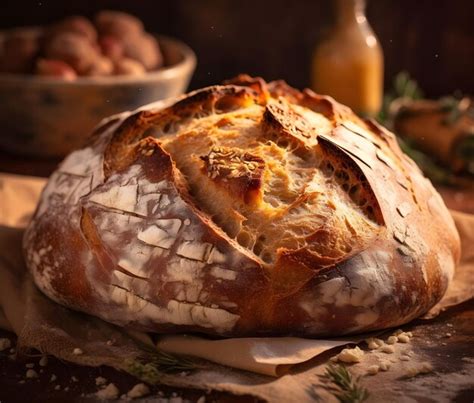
(270, 209)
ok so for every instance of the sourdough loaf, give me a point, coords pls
(249, 208)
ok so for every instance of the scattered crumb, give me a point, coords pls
(403, 338)
(110, 343)
(110, 392)
(387, 349)
(468, 359)
(22, 381)
(350, 355)
(202, 399)
(392, 339)
(74, 379)
(100, 380)
(444, 344)
(43, 362)
(12, 351)
(66, 388)
(31, 373)
(374, 343)
(384, 366)
(448, 334)
(5, 343)
(139, 390)
(449, 324)
(30, 365)
(373, 369)
(57, 387)
(422, 368)
(405, 358)
(77, 351)
(53, 378)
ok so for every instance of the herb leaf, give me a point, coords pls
(345, 388)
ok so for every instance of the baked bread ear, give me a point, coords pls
(243, 209)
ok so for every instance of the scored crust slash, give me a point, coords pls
(248, 208)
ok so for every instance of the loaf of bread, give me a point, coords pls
(249, 208)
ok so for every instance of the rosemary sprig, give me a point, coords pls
(158, 363)
(403, 87)
(154, 363)
(345, 388)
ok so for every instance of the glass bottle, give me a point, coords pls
(348, 65)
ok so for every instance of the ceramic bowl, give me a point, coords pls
(48, 117)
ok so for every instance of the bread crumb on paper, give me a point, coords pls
(110, 392)
(403, 338)
(387, 349)
(100, 380)
(31, 374)
(422, 368)
(139, 390)
(373, 343)
(392, 340)
(373, 370)
(350, 355)
(384, 366)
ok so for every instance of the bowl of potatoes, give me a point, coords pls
(58, 82)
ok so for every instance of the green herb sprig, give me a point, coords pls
(159, 363)
(344, 386)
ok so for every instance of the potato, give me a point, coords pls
(118, 24)
(111, 46)
(55, 68)
(129, 66)
(20, 47)
(77, 24)
(73, 49)
(144, 49)
(102, 66)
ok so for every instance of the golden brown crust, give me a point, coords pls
(243, 209)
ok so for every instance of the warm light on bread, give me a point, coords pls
(249, 208)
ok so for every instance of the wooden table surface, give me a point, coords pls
(14, 388)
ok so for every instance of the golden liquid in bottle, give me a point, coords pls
(349, 64)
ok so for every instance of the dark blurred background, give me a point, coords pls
(432, 39)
